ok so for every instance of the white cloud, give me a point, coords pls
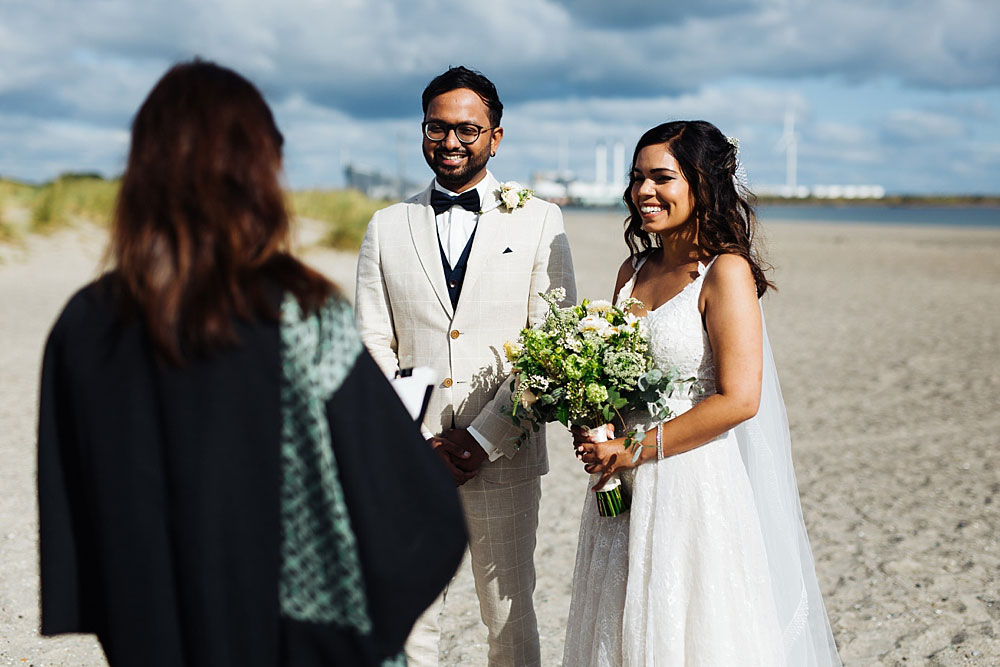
(842, 134)
(345, 77)
(922, 126)
(46, 148)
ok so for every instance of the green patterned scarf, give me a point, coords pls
(320, 579)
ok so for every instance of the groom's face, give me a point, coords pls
(459, 166)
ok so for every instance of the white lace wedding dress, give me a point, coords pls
(682, 578)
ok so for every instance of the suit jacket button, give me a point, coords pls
(447, 382)
(452, 284)
(454, 333)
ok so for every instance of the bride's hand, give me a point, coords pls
(605, 458)
(582, 434)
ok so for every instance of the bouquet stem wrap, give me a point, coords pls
(612, 499)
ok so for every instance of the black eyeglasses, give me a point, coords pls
(466, 133)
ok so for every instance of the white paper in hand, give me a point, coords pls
(414, 386)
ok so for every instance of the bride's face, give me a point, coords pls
(659, 191)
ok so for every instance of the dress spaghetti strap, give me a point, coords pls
(626, 290)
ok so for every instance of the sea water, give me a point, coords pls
(962, 216)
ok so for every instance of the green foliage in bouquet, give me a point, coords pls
(588, 365)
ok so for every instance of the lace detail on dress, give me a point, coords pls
(677, 336)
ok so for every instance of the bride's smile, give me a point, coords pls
(660, 191)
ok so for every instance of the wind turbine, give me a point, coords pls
(789, 143)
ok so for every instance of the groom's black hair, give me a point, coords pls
(463, 77)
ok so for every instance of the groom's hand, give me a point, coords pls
(464, 440)
(450, 453)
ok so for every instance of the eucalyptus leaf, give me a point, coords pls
(562, 414)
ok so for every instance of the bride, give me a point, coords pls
(712, 565)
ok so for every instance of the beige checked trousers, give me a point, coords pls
(502, 520)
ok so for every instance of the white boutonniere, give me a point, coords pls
(512, 195)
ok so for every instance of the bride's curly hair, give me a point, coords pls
(723, 211)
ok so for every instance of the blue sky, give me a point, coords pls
(902, 94)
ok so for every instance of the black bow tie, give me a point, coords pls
(441, 202)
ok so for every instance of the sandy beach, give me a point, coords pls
(887, 341)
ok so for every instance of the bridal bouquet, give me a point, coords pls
(589, 365)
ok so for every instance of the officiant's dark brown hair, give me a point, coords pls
(200, 232)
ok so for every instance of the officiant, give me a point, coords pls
(225, 477)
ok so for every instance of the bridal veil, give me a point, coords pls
(765, 447)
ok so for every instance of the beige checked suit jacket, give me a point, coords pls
(406, 317)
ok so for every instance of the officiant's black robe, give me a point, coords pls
(160, 510)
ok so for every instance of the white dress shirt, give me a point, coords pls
(454, 227)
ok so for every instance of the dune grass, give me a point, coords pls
(14, 193)
(346, 213)
(50, 206)
(75, 197)
(15, 205)
(8, 233)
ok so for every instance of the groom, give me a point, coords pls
(444, 279)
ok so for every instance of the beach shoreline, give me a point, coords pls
(886, 340)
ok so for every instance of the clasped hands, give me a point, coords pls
(461, 453)
(604, 458)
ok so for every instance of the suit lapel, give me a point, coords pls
(423, 231)
(484, 244)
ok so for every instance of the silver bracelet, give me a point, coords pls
(659, 442)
